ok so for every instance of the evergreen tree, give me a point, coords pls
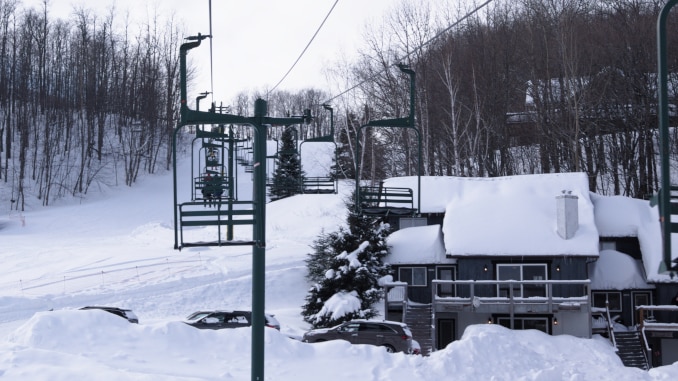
(288, 175)
(346, 267)
(343, 164)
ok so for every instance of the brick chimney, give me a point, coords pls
(567, 212)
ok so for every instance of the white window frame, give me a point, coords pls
(519, 290)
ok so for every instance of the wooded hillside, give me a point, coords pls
(517, 87)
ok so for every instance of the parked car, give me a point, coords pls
(416, 348)
(122, 312)
(392, 335)
(226, 319)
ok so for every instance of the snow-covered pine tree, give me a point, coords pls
(346, 267)
(288, 175)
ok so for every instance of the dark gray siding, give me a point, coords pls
(559, 268)
(483, 268)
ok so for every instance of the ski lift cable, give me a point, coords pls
(307, 45)
(459, 21)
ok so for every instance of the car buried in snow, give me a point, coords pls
(392, 335)
(122, 312)
(226, 319)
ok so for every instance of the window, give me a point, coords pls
(413, 276)
(350, 327)
(608, 245)
(614, 297)
(522, 272)
(521, 323)
(410, 222)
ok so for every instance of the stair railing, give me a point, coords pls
(610, 325)
(646, 350)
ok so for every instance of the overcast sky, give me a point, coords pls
(255, 41)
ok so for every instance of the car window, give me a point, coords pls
(385, 328)
(369, 327)
(130, 315)
(218, 317)
(197, 316)
(117, 312)
(237, 319)
(351, 327)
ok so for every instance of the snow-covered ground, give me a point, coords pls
(116, 248)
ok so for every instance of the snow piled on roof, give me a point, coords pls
(619, 216)
(516, 216)
(511, 215)
(616, 271)
(417, 245)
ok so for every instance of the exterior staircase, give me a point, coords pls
(630, 349)
(418, 318)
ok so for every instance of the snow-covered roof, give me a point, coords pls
(417, 245)
(516, 215)
(616, 271)
(512, 215)
(618, 216)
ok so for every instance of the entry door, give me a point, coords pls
(640, 298)
(445, 332)
(445, 273)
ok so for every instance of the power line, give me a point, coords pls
(471, 13)
(307, 45)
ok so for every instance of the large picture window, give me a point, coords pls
(521, 272)
(614, 297)
(413, 276)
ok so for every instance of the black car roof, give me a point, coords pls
(104, 308)
(225, 311)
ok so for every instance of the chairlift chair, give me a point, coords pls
(322, 184)
(384, 201)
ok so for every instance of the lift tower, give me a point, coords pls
(260, 122)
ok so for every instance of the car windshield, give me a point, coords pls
(197, 316)
(272, 320)
(130, 314)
